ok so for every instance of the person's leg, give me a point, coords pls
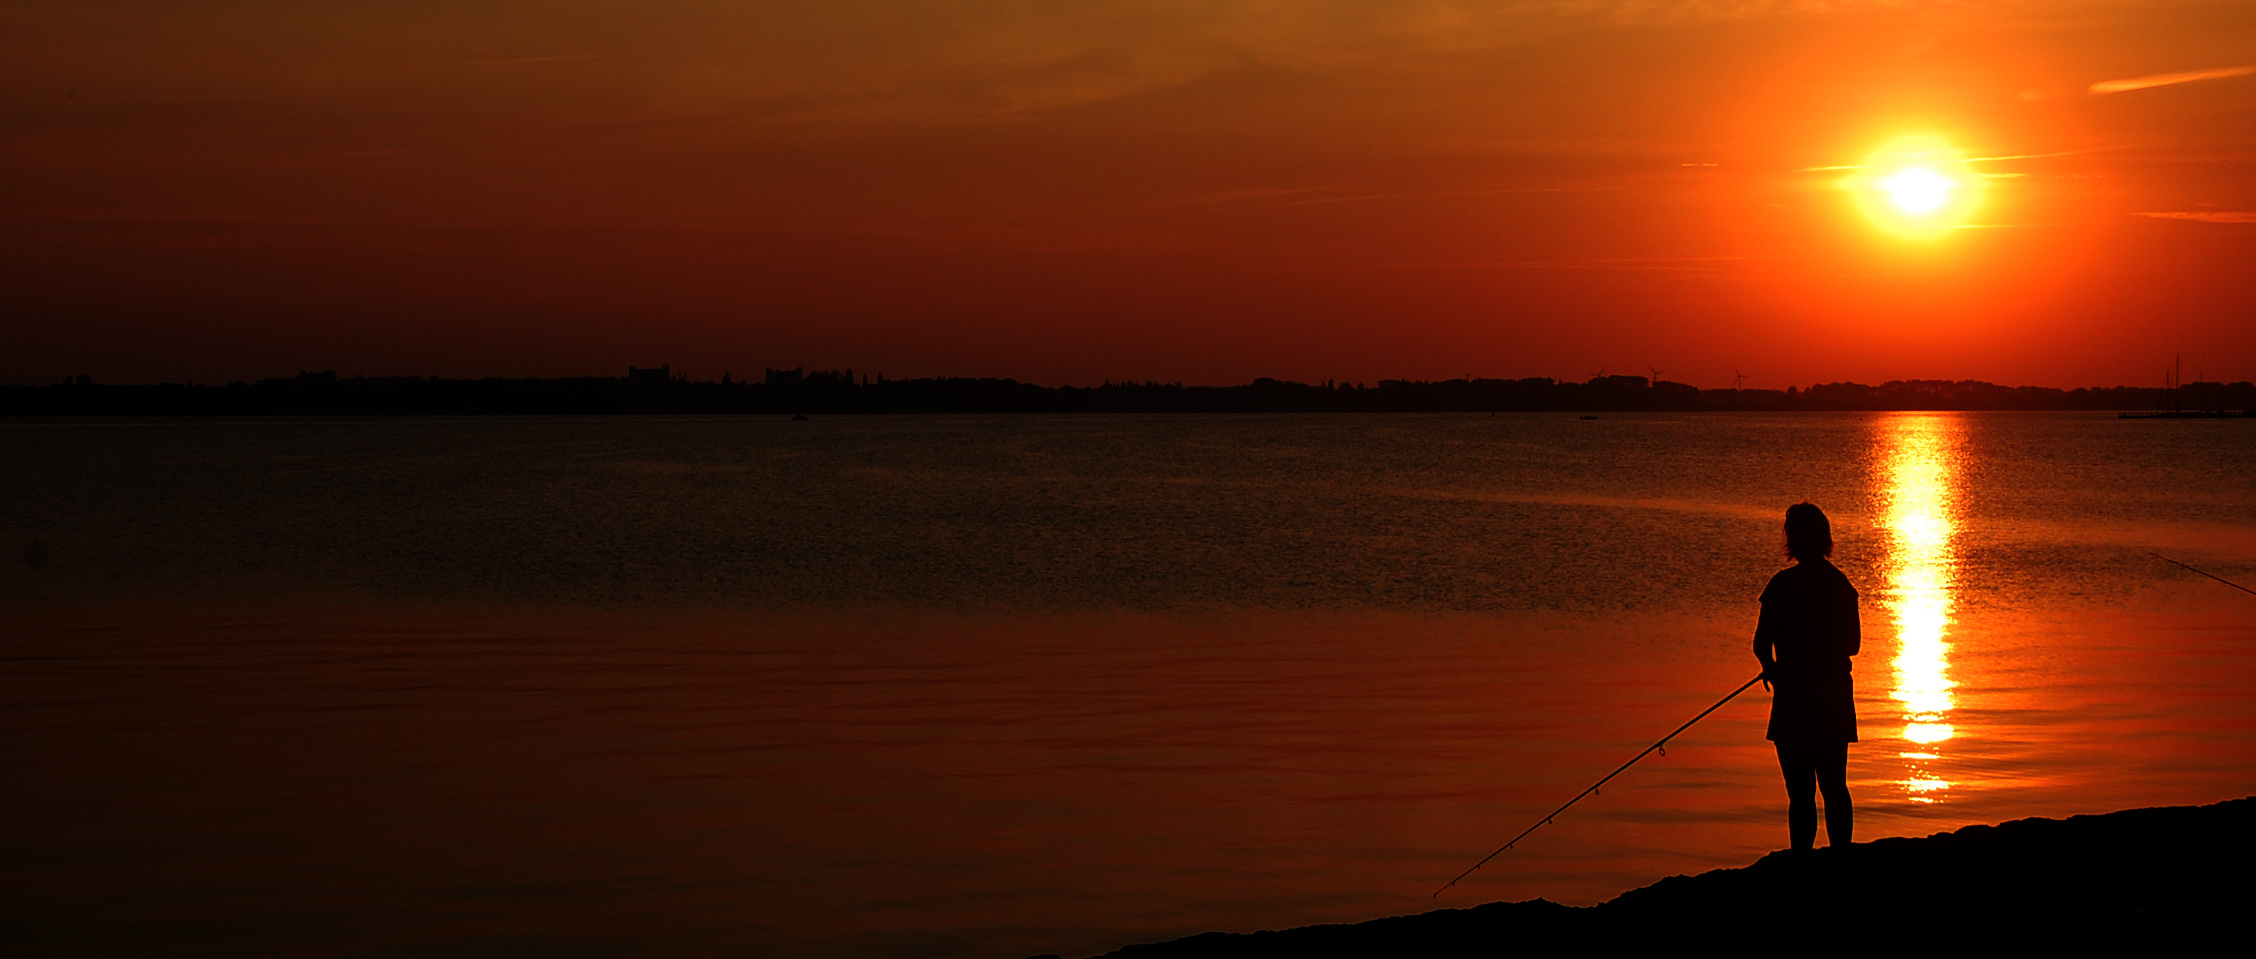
(1832, 768)
(1801, 794)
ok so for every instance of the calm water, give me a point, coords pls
(996, 686)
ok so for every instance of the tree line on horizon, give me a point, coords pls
(797, 391)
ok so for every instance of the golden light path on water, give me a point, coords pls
(1920, 470)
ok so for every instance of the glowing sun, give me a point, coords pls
(1918, 190)
(1916, 187)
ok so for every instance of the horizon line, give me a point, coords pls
(845, 376)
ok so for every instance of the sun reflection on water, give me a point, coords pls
(1920, 472)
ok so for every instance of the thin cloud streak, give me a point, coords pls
(2038, 156)
(1366, 197)
(1995, 159)
(2105, 87)
(1676, 264)
(2204, 216)
(517, 61)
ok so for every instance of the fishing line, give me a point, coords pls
(1649, 750)
(1656, 747)
(2244, 589)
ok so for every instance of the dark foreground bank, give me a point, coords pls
(2181, 873)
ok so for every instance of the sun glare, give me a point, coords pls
(1916, 187)
(1917, 190)
(1921, 470)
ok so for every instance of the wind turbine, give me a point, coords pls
(1738, 379)
(1656, 375)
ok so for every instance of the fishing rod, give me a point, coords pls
(2244, 589)
(1649, 750)
(1663, 741)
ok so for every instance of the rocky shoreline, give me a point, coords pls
(2144, 876)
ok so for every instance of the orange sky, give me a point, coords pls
(1070, 192)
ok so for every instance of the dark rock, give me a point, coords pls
(2140, 876)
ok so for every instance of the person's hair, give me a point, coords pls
(1809, 535)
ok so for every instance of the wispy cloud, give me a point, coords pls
(2205, 216)
(2166, 79)
(1995, 159)
(1366, 197)
(2035, 156)
(518, 61)
(1661, 264)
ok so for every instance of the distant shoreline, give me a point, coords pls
(797, 392)
(2164, 874)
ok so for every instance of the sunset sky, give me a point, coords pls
(1067, 192)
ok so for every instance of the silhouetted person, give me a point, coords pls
(1807, 633)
